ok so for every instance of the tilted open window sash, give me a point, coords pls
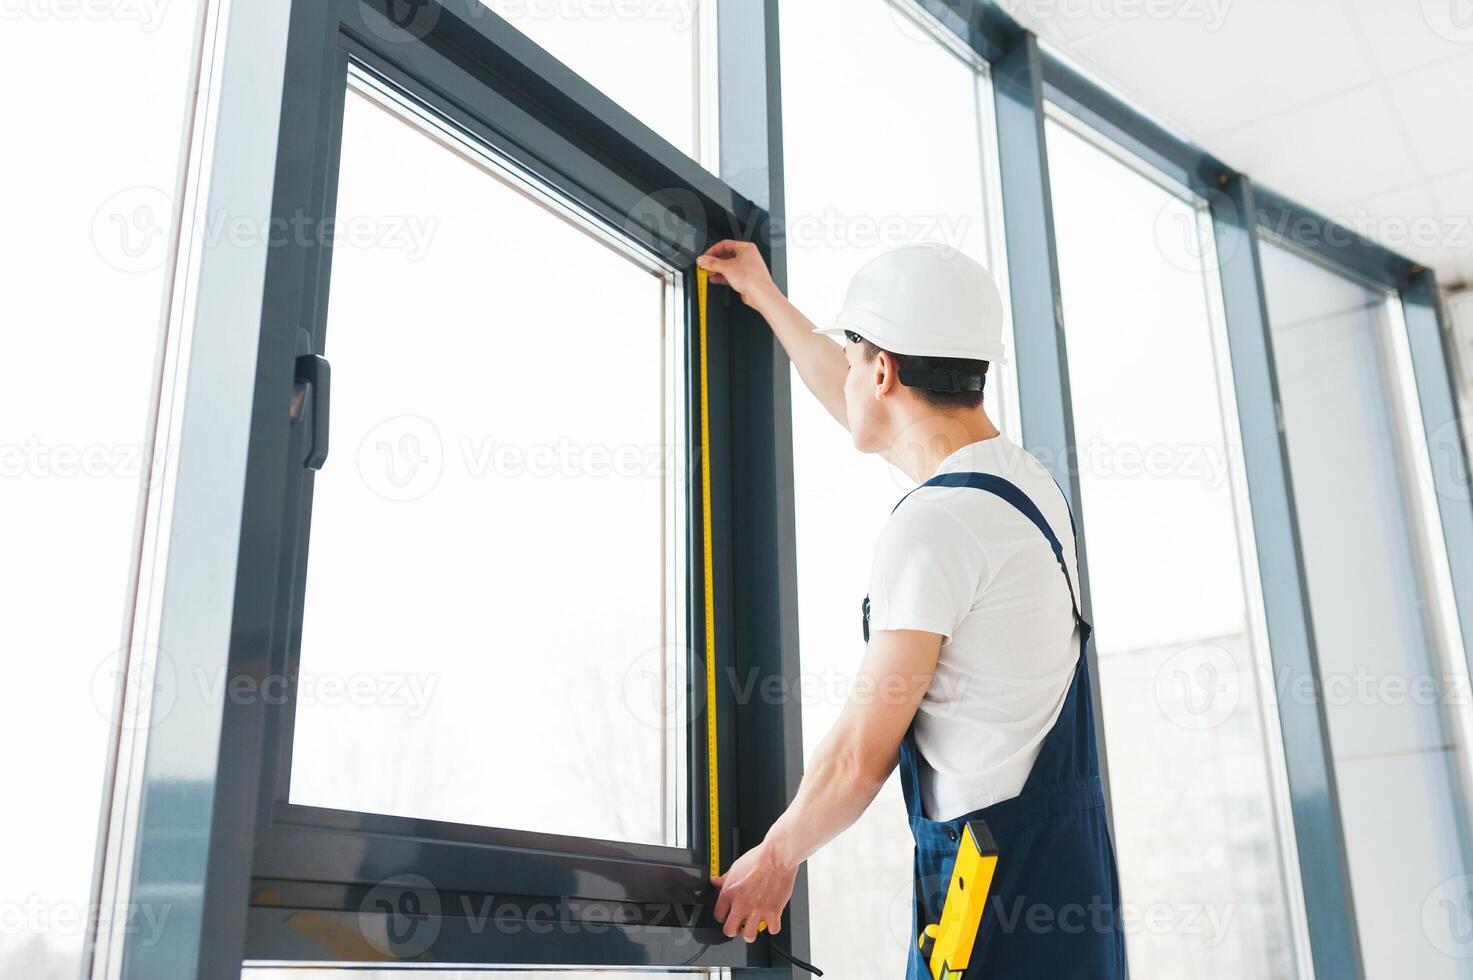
(483, 594)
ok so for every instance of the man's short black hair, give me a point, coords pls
(957, 367)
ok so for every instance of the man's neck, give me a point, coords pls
(925, 441)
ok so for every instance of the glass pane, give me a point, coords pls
(851, 196)
(86, 263)
(1388, 698)
(646, 55)
(1193, 756)
(495, 593)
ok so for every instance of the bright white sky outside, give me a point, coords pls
(89, 169)
(492, 521)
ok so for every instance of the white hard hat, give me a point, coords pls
(927, 300)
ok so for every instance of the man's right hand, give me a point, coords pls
(821, 362)
(740, 266)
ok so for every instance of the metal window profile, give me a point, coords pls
(323, 883)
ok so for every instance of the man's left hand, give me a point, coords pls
(755, 889)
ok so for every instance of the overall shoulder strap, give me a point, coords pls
(999, 487)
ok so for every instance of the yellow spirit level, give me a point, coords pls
(946, 946)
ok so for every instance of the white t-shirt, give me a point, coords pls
(967, 564)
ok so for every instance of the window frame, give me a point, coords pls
(313, 869)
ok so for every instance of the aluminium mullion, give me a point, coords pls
(188, 821)
(1037, 304)
(1448, 436)
(1322, 858)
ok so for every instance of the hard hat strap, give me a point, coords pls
(942, 380)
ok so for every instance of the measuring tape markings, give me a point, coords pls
(713, 785)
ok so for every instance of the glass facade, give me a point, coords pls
(1392, 681)
(496, 598)
(1193, 754)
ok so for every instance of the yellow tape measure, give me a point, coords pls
(714, 787)
(703, 286)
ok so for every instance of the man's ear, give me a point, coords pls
(887, 374)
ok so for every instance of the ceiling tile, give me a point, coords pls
(1216, 65)
(1330, 155)
(1403, 207)
(1403, 36)
(1410, 222)
(1436, 103)
(1064, 23)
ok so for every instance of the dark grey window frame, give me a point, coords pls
(315, 876)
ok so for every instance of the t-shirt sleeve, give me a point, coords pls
(927, 569)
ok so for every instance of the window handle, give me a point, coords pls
(311, 399)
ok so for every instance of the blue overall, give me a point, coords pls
(1053, 911)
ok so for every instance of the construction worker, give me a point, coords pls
(974, 678)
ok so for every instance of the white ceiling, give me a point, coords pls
(1359, 109)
